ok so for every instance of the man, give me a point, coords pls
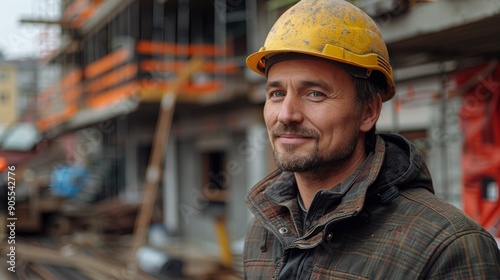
(346, 202)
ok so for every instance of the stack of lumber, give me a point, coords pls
(85, 256)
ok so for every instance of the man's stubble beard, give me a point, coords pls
(313, 161)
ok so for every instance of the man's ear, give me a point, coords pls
(370, 113)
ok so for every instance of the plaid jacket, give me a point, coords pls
(384, 222)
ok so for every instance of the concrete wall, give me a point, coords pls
(420, 109)
(434, 17)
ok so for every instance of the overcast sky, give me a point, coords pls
(19, 40)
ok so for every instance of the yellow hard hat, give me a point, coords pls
(331, 29)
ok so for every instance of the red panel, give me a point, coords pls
(480, 122)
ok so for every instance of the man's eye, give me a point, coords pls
(276, 94)
(316, 94)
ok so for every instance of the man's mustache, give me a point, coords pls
(294, 129)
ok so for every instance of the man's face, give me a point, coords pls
(311, 115)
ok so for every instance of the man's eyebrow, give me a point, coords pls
(304, 83)
(273, 84)
(316, 83)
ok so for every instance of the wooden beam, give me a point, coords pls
(41, 271)
(63, 24)
(74, 259)
(154, 170)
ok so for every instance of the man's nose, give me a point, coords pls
(291, 110)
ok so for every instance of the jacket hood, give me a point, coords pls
(402, 166)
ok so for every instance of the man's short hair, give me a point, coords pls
(369, 88)
(366, 90)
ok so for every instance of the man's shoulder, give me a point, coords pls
(427, 208)
(419, 221)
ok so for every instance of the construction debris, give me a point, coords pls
(88, 257)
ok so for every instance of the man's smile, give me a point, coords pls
(292, 139)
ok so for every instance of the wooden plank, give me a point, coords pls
(154, 169)
(224, 242)
(74, 259)
(41, 271)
